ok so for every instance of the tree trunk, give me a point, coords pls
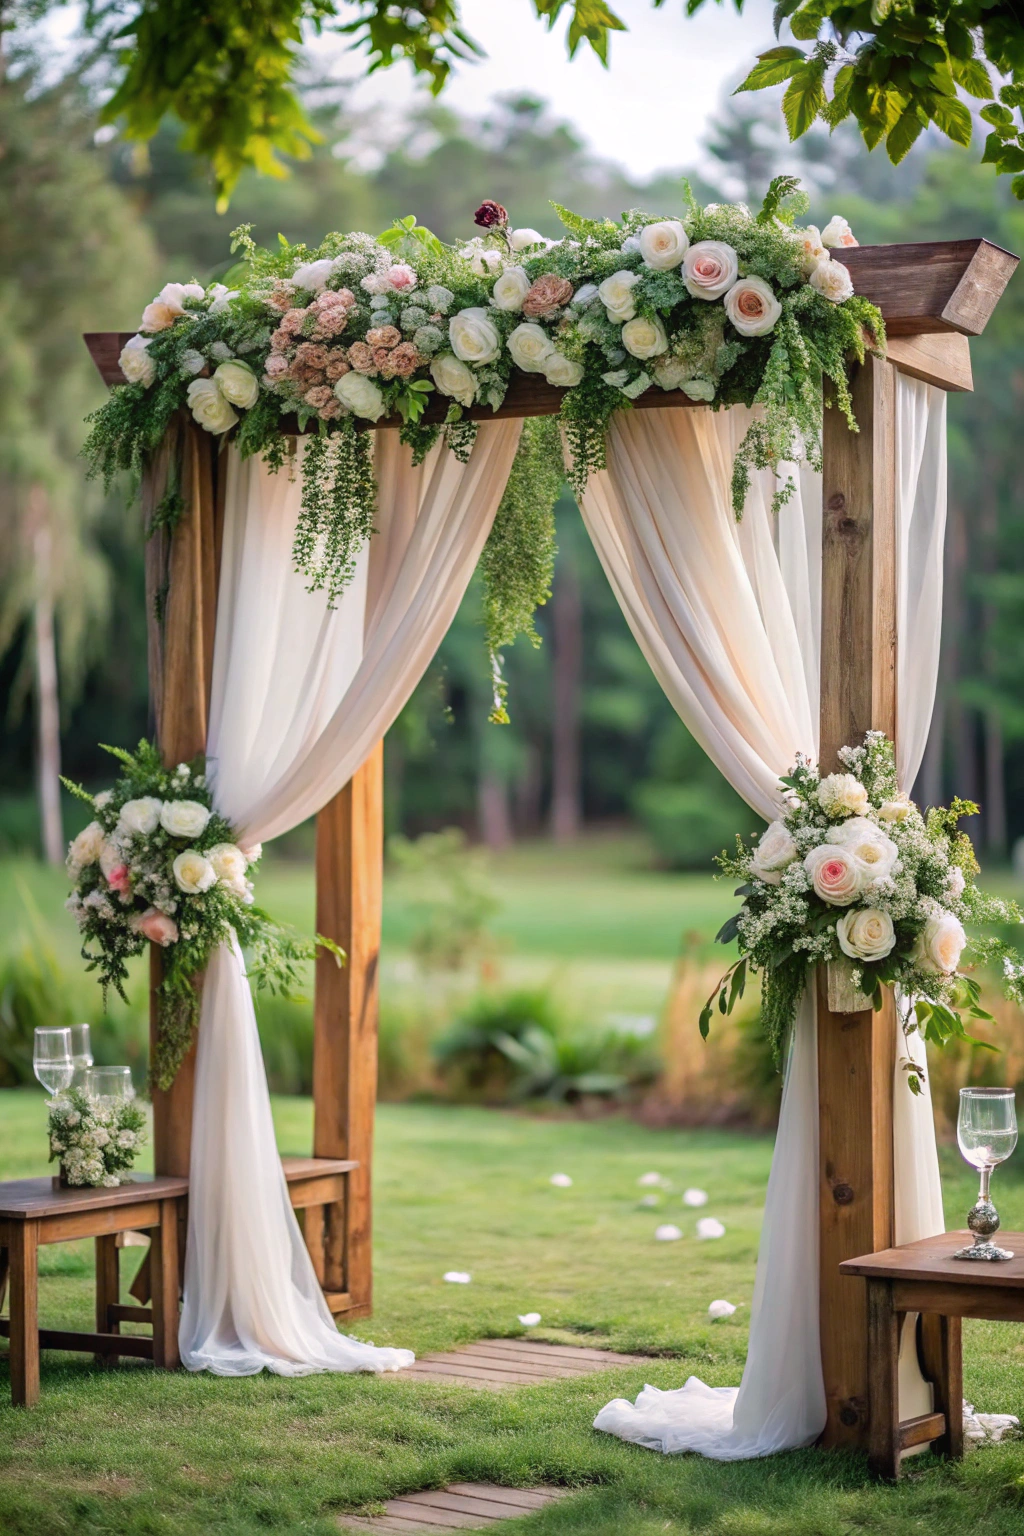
(567, 636)
(961, 718)
(995, 786)
(47, 694)
(493, 814)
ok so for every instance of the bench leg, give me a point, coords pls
(943, 1363)
(5, 1267)
(163, 1254)
(883, 1382)
(108, 1290)
(24, 1264)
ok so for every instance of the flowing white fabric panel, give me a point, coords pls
(300, 696)
(920, 533)
(729, 616)
(730, 620)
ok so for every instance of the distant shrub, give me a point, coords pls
(450, 896)
(33, 995)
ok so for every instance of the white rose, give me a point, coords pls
(474, 337)
(664, 245)
(530, 346)
(175, 294)
(562, 371)
(313, 275)
(85, 849)
(522, 239)
(229, 863)
(210, 407)
(895, 810)
(616, 294)
(810, 249)
(184, 818)
(752, 306)
(840, 793)
(453, 378)
(832, 281)
(511, 289)
(837, 876)
(644, 338)
(866, 934)
(483, 260)
(940, 943)
(775, 850)
(837, 232)
(193, 872)
(238, 384)
(361, 395)
(868, 843)
(221, 296)
(141, 816)
(709, 269)
(135, 362)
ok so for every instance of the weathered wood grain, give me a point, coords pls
(349, 881)
(22, 1246)
(935, 285)
(940, 358)
(856, 1051)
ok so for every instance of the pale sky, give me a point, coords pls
(648, 111)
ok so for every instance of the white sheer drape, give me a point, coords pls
(729, 617)
(300, 696)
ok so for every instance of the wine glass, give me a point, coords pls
(987, 1133)
(110, 1084)
(81, 1049)
(51, 1058)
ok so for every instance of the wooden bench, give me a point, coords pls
(33, 1212)
(924, 1277)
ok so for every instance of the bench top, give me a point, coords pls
(32, 1199)
(931, 1259)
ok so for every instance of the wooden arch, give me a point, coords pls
(934, 297)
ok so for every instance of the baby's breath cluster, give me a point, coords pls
(853, 874)
(95, 1140)
(158, 865)
(718, 303)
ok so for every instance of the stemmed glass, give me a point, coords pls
(110, 1083)
(81, 1049)
(52, 1061)
(987, 1133)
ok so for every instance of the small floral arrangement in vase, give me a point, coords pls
(854, 877)
(96, 1140)
(159, 865)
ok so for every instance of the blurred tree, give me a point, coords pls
(68, 242)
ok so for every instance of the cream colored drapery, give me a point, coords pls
(300, 696)
(729, 617)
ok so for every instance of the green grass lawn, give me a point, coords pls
(128, 1451)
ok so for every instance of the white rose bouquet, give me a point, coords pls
(157, 865)
(853, 874)
(95, 1142)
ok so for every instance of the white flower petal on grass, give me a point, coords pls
(529, 1319)
(667, 1233)
(720, 1309)
(649, 1178)
(561, 1181)
(710, 1226)
(456, 1276)
(695, 1197)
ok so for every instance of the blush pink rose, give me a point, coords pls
(158, 316)
(119, 879)
(836, 874)
(158, 927)
(401, 277)
(709, 269)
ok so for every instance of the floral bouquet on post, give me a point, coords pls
(854, 875)
(159, 865)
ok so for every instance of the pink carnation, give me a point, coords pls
(282, 295)
(402, 362)
(318, 396)
(361, 357)
(336, 367)
(280, 341)
(276, 365)
(310, 355)
(383, 336)
(331, 410)
(401, 277)
(293, 321)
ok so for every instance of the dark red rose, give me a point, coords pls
(489, 214)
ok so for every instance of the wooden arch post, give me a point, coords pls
(933, 297)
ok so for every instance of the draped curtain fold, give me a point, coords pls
(300, 696)
(729, 617)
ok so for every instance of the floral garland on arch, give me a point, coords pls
(728, 306)
(853, 875)
(158, 865)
